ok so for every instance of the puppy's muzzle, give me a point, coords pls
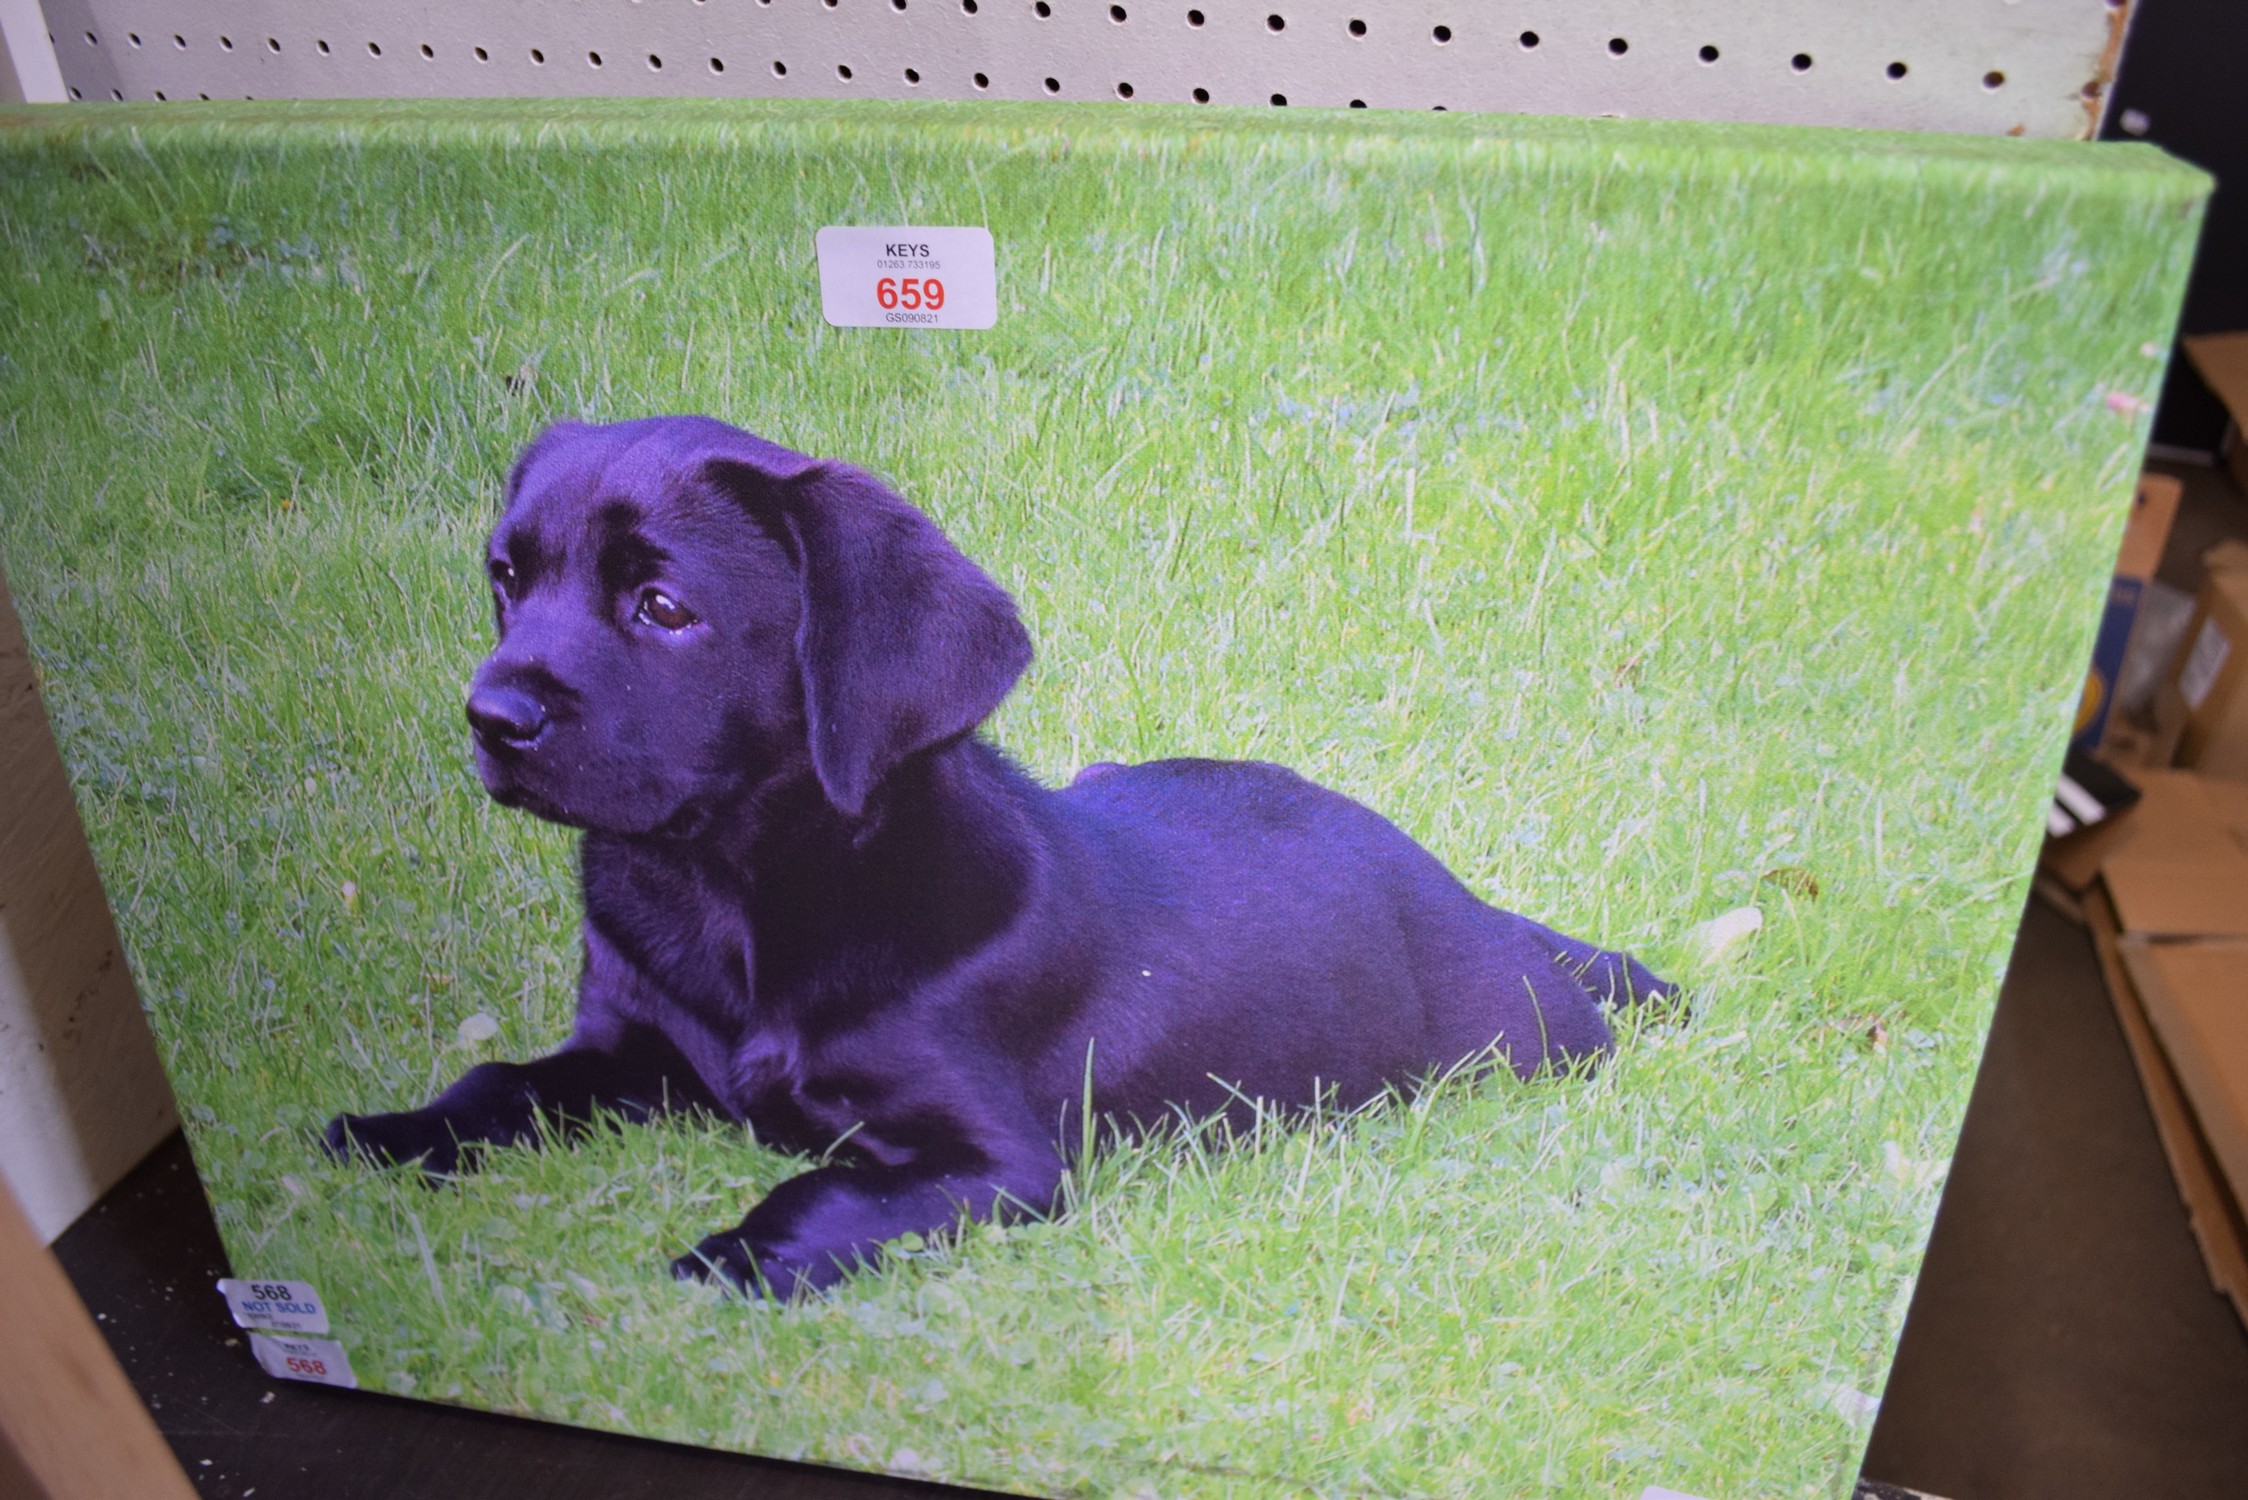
(505, 718)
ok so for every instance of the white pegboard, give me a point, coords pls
(2027, 67)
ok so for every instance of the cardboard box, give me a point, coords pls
(2180, 817)
(2202, 699)
(2154, 505)
(2221, 359)
(2196, 994)
(2193, 886)
(2212, 1209)
(2163, 889)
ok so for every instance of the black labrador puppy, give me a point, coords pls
(817, 902)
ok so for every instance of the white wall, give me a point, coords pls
(82, 1096)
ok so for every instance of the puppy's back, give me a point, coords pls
(1298, 936)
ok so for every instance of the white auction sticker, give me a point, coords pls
(321, 1361)
(2207, 659)
(907, 278)
(280, 1306)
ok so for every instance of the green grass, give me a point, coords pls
(1653, 522)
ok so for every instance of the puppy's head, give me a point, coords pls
(687, 612)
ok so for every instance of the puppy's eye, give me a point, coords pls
(659, 608)
(503, 574)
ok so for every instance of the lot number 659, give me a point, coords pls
(914, 293)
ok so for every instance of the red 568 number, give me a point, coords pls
(317, 1369)
(913, 293)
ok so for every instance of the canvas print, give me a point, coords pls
(1364, 849)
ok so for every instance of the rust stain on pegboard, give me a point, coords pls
(2095, 90)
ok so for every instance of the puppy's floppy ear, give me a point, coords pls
(903, 642)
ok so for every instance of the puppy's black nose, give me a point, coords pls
(504, 716)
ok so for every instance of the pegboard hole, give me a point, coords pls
(593, 59)
(843, 71)
(119, 95)
(1528, 39)
(897, 4)
(482, 56)
(1123, 91)
(1202, 96)
(655, 63)
(92, 42)
(1994, 80)
(159, 94)
(1357, 27)
(374, 49)
(1801, 62)
(74, 92)
(983, 80)
(179, 41)
(1116, 14)
(1357, 104)
(1194, 18)
(272, 44)
(226, 43)
(1042, 10)
(429, 53)
(321, 46)
(913, 75)
(1276, 22)
(1053, 85)
(780, 69)
(718, 65)
(968, 7)
(538, 58)
(1896, 70)
(1617, 46)
(1279, 101)
(1708, 55)
(133, 37)
(1442, 34)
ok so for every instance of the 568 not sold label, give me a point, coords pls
(907, 277)
(321, 1361)
(275, 1306)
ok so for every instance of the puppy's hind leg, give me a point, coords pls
(1613, 979)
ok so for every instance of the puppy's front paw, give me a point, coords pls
(728, 1259)
(723, 1258)
(411, 1136)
